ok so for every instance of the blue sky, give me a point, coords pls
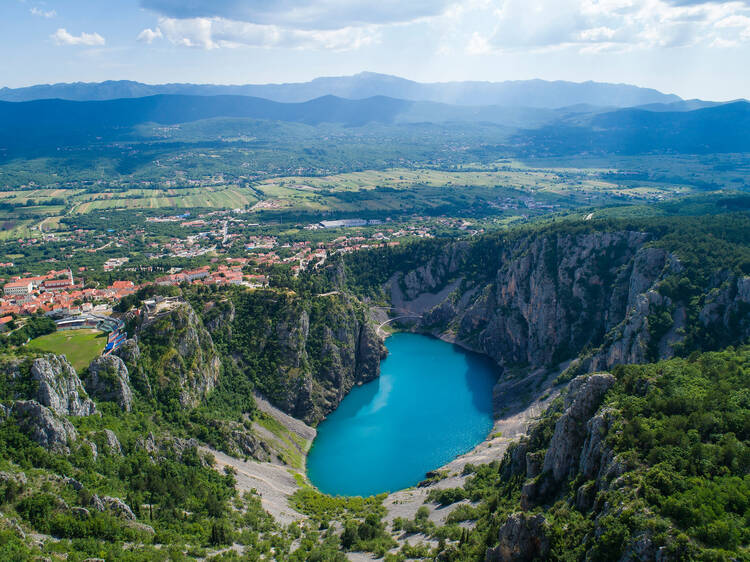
(692, 48)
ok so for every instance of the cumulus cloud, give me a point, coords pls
(599, 25)
(43, 13)
(698, 2)
(213, 33)
(149, 35)
(302, 14)
(476, 26)
(62, 37)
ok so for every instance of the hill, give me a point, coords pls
(574, 130)
(636, 131)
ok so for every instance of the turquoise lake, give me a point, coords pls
(432, 403)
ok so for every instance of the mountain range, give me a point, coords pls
(527, 93)
(594, 121)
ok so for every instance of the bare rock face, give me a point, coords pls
(594, 447)
(118, 507)
(60, 389)
(320, 354)
(587, 297)
(91, 446)
(129, 351)
(108, 380)
(115, 506)
(522, 538)
(551, 296)
(729, 307)
(583, 398)
(148, 444)
(130, 354)
(43, 426)
(370, 351)
(434, 274)
(17, 479)
(112, 443)
(576, 441)
(248, 444)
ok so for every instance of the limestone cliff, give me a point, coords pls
(178, 355)
(108, 379)
(544, 298)
(59, 387)
(304, 355)
(44, 426)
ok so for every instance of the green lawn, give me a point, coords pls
(79, 346)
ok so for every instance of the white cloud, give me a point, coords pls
(606, 25)
(302, 14)
(42, 13)
(213, 33)
(478, 45)
(473, 26)
(62, 37)
(149, 35)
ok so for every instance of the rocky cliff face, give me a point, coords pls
(130, 353)
(572, 435)
(59, 387)
(576, 451)
(44, 426)
(108, 380)
(41, 393)
(324, 364)
(541, 299)
(303, 355)
(522, 538)
(178, 355)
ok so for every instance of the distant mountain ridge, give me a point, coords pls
(526, 93)
(715, 129)
(173, 109)
(576, 129)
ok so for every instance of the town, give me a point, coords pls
(102, 263)
(234, 252)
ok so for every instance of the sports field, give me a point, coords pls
(79, 346)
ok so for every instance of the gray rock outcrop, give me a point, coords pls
(130, 353)
(118, 507)
(584, 396)
(111, 442)
(108, 380)
(319, 352)
(523, 538)
(575, 443)
(59, 387)
(550, 297)
(43, 426)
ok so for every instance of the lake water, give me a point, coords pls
(432, 403)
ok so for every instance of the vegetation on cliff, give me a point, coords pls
(649, 461)
(663, 470)
(603, 292)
